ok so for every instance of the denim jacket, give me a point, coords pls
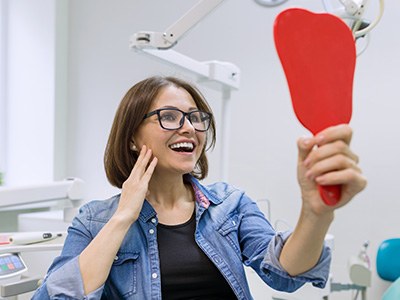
(230, 229)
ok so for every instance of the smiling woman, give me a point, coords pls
(139, 108)
(166, 235)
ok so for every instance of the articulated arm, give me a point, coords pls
(167, 39)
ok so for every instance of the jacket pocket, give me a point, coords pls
(229, 229)
(123, 274)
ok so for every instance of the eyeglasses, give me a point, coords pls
(173, 118)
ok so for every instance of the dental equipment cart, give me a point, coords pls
(14, 272)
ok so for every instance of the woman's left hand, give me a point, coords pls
(326, 159)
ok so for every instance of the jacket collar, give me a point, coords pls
(203, 194)
(203, 197)
(147, 212)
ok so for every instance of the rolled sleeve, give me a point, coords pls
(318, 275)
(66, 283)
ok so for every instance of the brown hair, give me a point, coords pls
(119, 159)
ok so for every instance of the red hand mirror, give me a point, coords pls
(317, 52)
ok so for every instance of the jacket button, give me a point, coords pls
(151, 231)
(154, 275)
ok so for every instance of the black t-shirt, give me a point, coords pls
(186, 272)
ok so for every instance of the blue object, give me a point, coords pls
(388, 260)
(393, 292)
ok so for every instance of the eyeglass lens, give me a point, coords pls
(174, 119)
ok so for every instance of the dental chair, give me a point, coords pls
(388, 267)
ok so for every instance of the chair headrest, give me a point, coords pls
(388, 259)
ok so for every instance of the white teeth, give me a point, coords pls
(182, 145)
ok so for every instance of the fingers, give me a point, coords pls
(305, 145)
(351, 181)
(327, 156)
(142, 162)
(329, 172)
(331, 141)
(135, 187)
(150, 169)
(335, 153)
(343, 177)
(340, 132)
(332, 157)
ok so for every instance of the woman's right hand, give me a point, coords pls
(96, 259)
(135, 188)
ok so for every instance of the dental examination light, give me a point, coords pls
(270, 3)
(69, 189)
(350, 9)
(352, 12)
(355, 10)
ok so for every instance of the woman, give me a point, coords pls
(168, 236)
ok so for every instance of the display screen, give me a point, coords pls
(10, 263)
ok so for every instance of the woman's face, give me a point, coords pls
(172, 147)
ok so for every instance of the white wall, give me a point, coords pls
(262, 149)
(3, 114)
(29, 90)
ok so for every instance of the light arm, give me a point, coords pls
(167, 39)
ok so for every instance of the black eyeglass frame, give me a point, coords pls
(182, 120)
